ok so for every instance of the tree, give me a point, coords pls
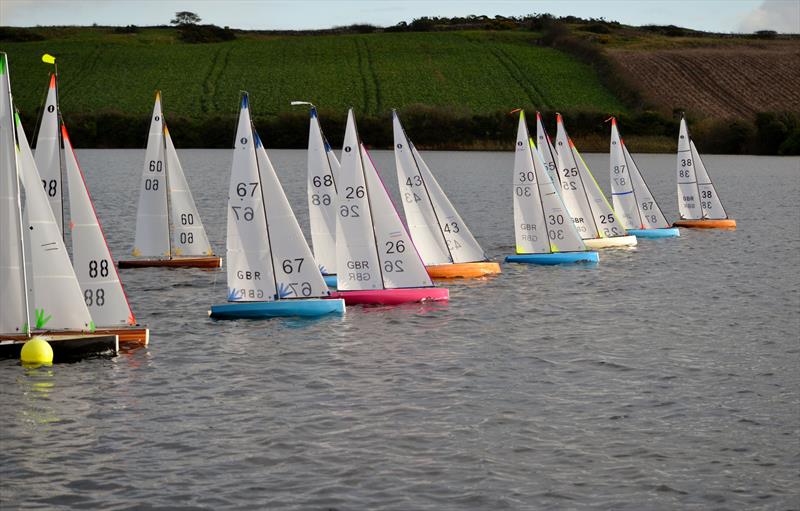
(185, 18)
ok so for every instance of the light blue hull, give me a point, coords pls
(668, 232)
(555, 258)
(283, 308)
(330, 280)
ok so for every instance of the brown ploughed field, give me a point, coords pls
(733, 81)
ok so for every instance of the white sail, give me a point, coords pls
(152, 221)
(323, 168)
(688, 193)
(546, 150)
(463, 246)
(435, 218)
(188, 235)
(529, 223)
(55, 294)
(590, 210)
(91, 257)
(14, 310)
(296, 272)
(623, 195)
(542, 222)
(401, 264)
(357, 264)
(420, 214)
(249, 261)
(48, 154)
(709, 200)
(649, 210)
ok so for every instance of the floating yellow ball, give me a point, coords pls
(36, 351)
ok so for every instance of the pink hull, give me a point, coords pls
(392, 296)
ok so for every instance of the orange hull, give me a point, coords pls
(176, 262)
(725, 223)
(129, 336)
(463, 270)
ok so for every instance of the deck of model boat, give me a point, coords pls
(393, 296)
(705, 223)
(303, 307)
(175, 262)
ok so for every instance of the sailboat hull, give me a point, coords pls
(667, 232)
(615, 242)
(67, 346)
(281, 308)
(463, 270)
(175, 262)
(330, 280)
(724, 223)
(129, 337)
(555, 258)
(393, 296)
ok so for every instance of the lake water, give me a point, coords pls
(666, 377)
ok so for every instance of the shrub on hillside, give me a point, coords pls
(19, 35)
(205, 34)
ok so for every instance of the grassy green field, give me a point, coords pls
(469, 71)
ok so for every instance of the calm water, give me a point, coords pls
(664, 378)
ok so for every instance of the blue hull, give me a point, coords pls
(330, 280)
(668, 232)
(284, 308)
(555, 258)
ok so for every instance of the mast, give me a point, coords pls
(4, 68)
(369, 201)
(256, 143)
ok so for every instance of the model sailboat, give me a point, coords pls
(91, 257)
(40, 293)
(271, 271)
(443, 240)
(168, 227)
(635, 205)
(594, 218)
(323, 167)
(377, 263)
(545, 233)
(698, 202)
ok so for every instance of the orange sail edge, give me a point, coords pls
(705, 223)
(463, 270)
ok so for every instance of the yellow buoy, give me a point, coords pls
(37, 352)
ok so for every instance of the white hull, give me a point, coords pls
(615, 242)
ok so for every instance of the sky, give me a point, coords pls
(709, 15)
